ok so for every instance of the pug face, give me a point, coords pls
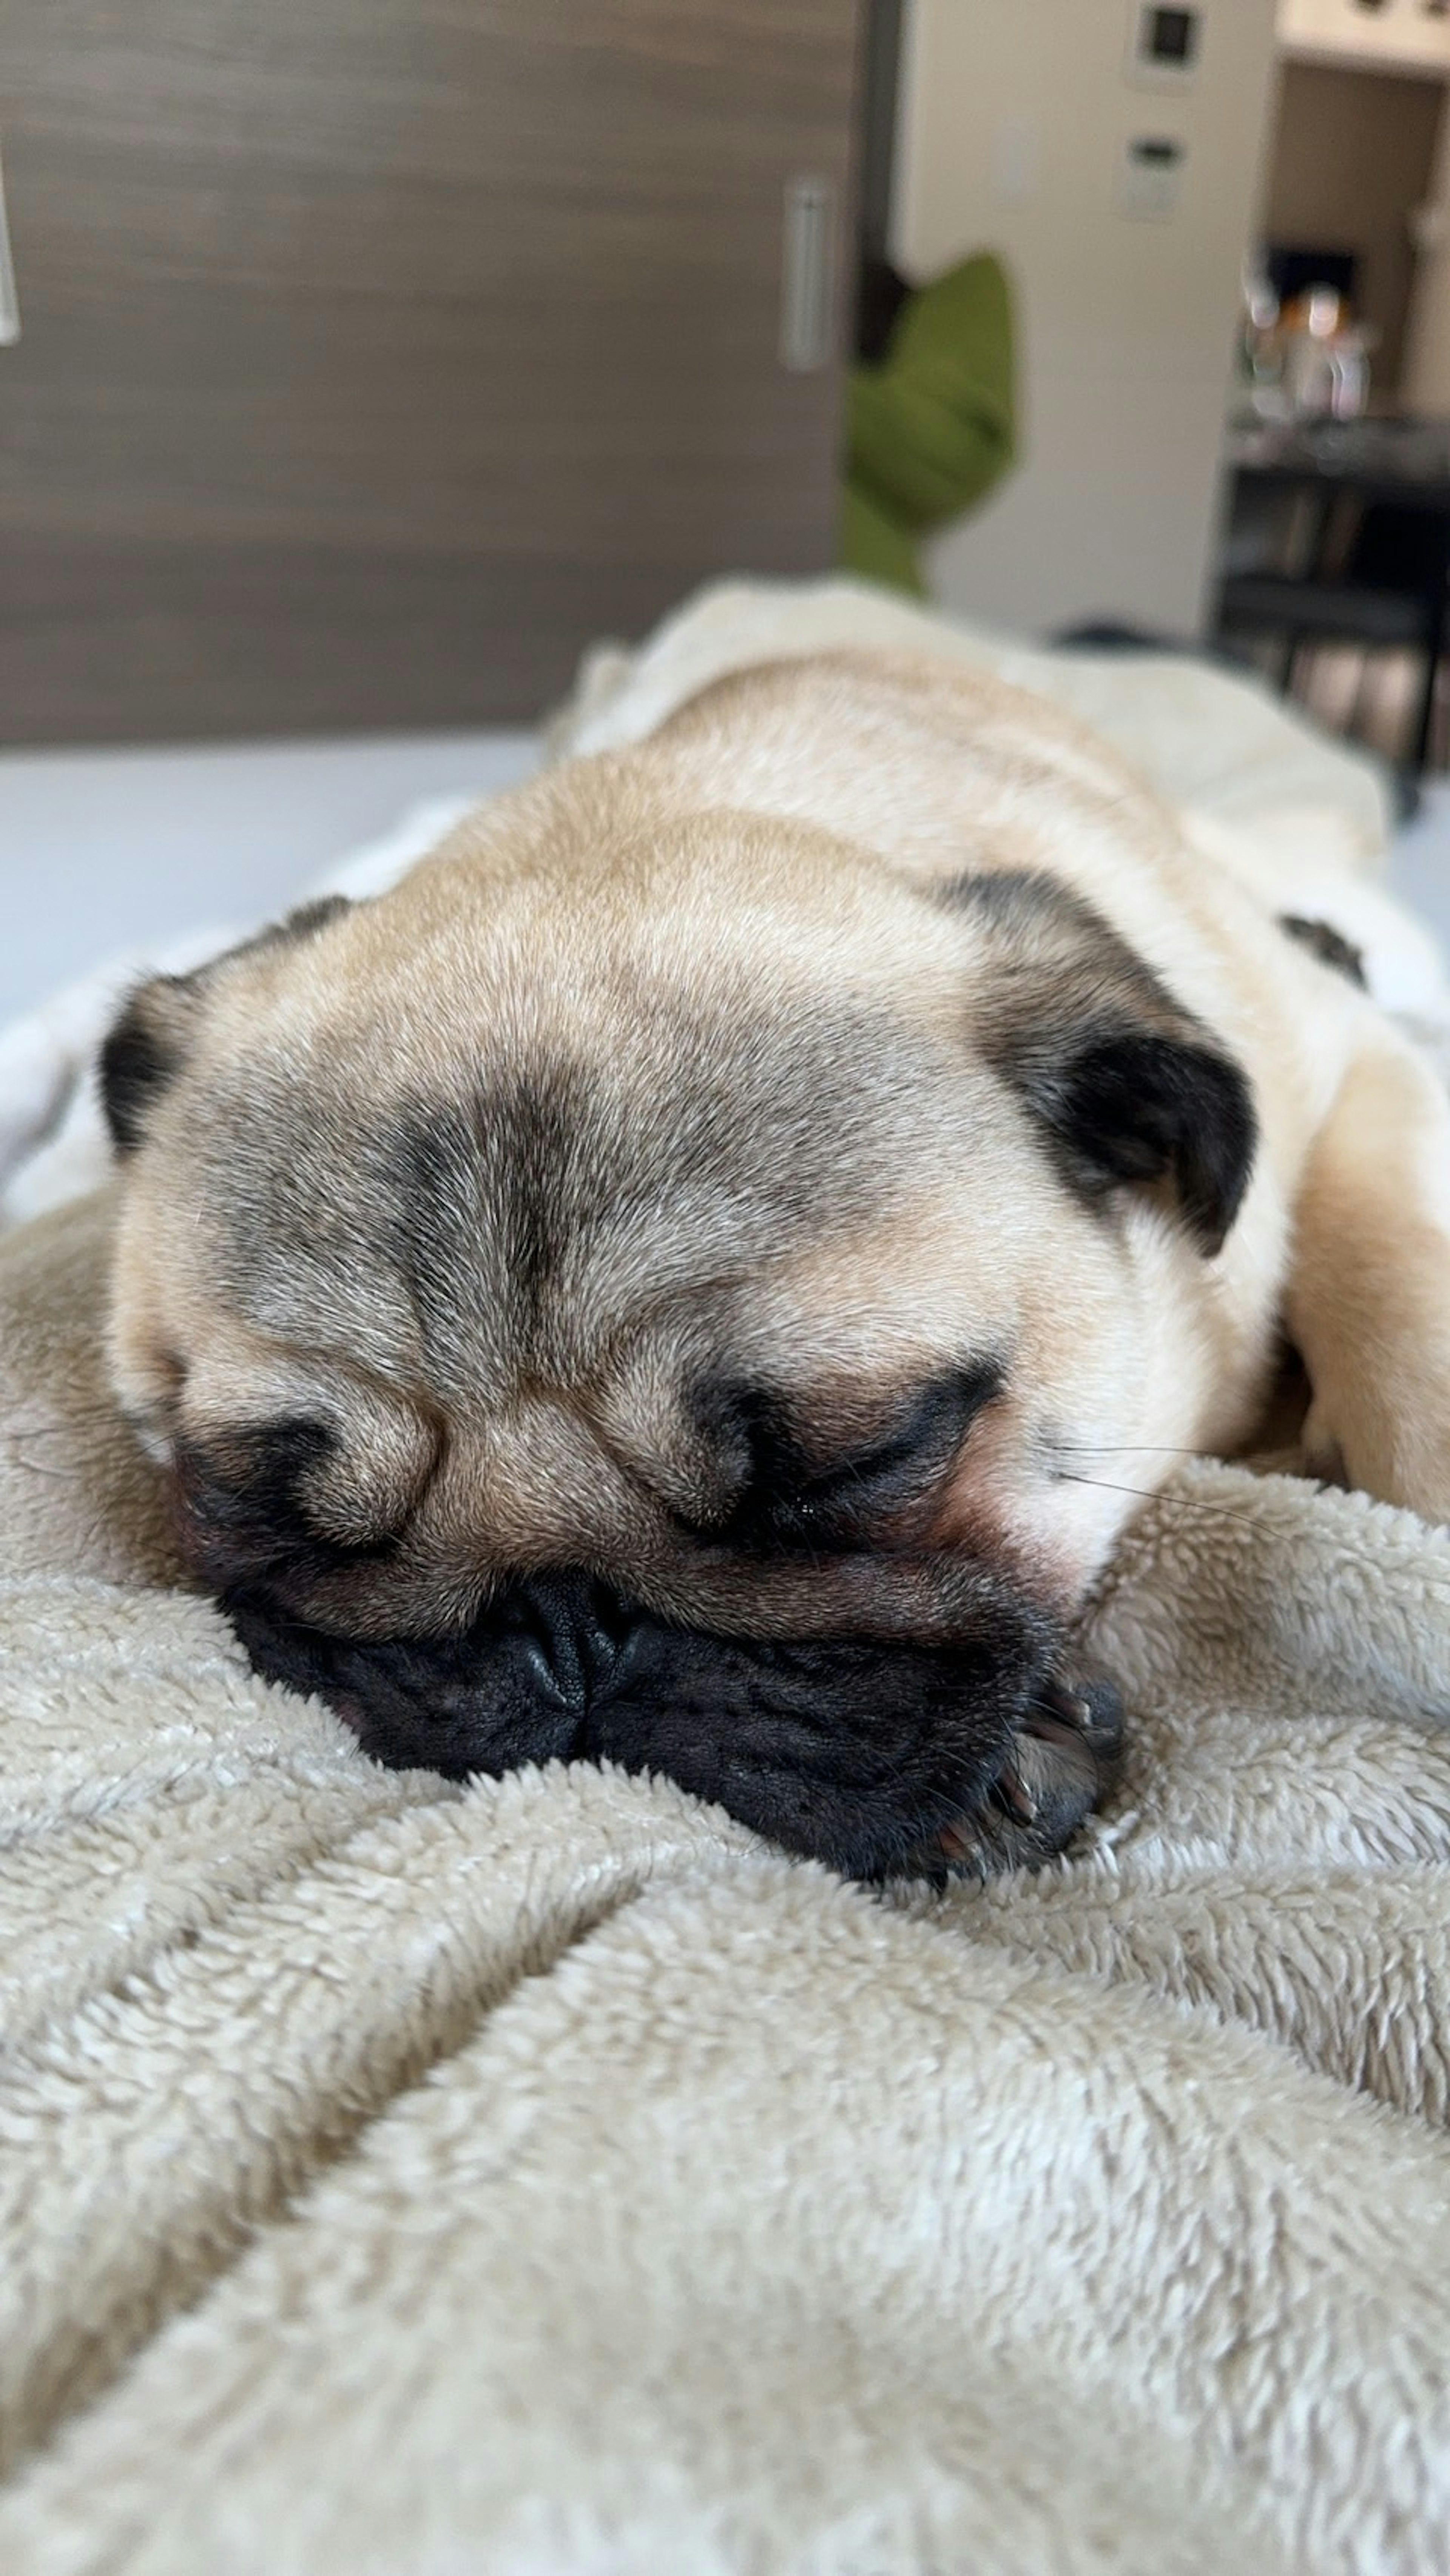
(658, 1287)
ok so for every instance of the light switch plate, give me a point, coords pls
(1016, 159)
(1150, 177)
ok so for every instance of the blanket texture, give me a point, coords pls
(547, 2176)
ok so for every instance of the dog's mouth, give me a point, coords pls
(877, 1757)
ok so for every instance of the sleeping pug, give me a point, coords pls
(689, 1275)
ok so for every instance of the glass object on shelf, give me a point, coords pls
(1261, 356)
(1303, 356)
(1326, 358)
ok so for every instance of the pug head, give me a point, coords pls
(667, 1301)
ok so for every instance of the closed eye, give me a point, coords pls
(785, 1499)
(906, 1464)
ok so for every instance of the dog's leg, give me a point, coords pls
(1369, 1292)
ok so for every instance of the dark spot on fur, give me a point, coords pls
(1328, 945)
(303, 923)
(503, 1178)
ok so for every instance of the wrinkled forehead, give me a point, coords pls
(544, 1197)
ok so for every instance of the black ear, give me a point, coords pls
(1125, 1105)
(149, 1043)
(1130, 1088)
(144, 1053)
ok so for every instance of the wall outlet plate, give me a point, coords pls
(1165, 45)
(1016, 158)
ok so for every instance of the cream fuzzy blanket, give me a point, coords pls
(547, 2177)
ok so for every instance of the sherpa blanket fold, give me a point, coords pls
(546, 2176)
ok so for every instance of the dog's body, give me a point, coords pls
(703, 1270)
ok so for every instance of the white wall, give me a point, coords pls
(1014, 116)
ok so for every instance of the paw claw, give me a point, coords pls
(962, 1851)
(1068, 1705)
(1012, 1791)
(1061, 1762)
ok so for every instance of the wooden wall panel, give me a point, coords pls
(376, 354)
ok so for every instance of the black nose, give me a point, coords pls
(858, 1751)
(521, 1686)
(567, 1633)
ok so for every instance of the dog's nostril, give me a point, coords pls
(571, 1630)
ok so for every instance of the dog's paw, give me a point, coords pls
(1063, 1761)
(1399, 1454)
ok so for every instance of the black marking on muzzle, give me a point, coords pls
(849, 1751)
